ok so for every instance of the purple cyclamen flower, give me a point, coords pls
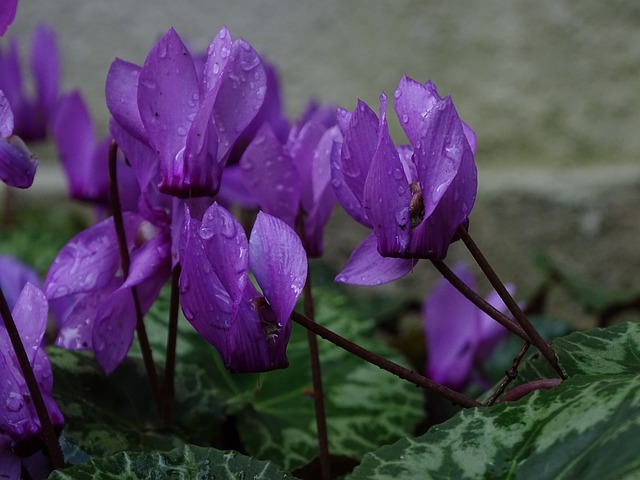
(14, 275)
(413, 197)
(293, 178)
(85, 158)
(18, 419)
(250, 329)
(33, 116)
(459, 335)
(190, 121)
(17, 165)
(7, 14)
(93, 301)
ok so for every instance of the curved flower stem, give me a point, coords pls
(526, 388)
(478, 301)
(381, 362)
(535, 338)
(145, 348)
(510, 375)
(48, 432)
(170, 360)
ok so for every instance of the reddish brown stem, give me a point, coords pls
(383, 363)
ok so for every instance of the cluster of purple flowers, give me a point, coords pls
(196, 135)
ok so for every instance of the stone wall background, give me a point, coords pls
(552, 89)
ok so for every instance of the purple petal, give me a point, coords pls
(360, 144)
(30, 315)
(14, 275)
(214, 258)
(301, 146)
(257, 341)
(240, 94)
(6, 116)
(271, 176)
(450, 322)
(444, 155)
(431, 239)
(234, 189)
(17, 165)
(412, 103)
(387, 195)
(279, 263)
(7, 14)
(76, 316)
(121, 93)
(168, 100)
(45, 65)
(343, 193)
(73, 133)
(152, 259)
(367, 267)
(90, 260)
(10, 462)
(115, 322)
(11, 79)
(324, 197)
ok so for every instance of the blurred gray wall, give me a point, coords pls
(551, 81)
(551, 87)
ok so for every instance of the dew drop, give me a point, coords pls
(397, 94)
(216, 68)
(405, 118)
(182, 131)
(206, 233)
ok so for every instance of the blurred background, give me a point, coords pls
(552, 89)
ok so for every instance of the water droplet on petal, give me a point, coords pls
(206, 233)
(405, 118)
(397, 94)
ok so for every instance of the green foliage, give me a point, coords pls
(185, 463)
(36, 235)
(105, 415)
(584, 428)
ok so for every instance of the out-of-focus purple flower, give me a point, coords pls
(191, 124)
(85, 158)
(33, 116)
(18, 419)
(14, 275)
(293, 178)
(249, 329)
(17, 165)
(7, 14)
(459, 336)
(413, 197)
(93, 302)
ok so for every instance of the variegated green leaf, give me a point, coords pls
(584, 428)
(587, 428)
(105, 415)
(185, 463)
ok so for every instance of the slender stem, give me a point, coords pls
(170, 361)
(145, 348)
(318, 389)
(383, 363)
(48, 432)
(316, 369)
(510, 375)
(535, 338)
(478, 301)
